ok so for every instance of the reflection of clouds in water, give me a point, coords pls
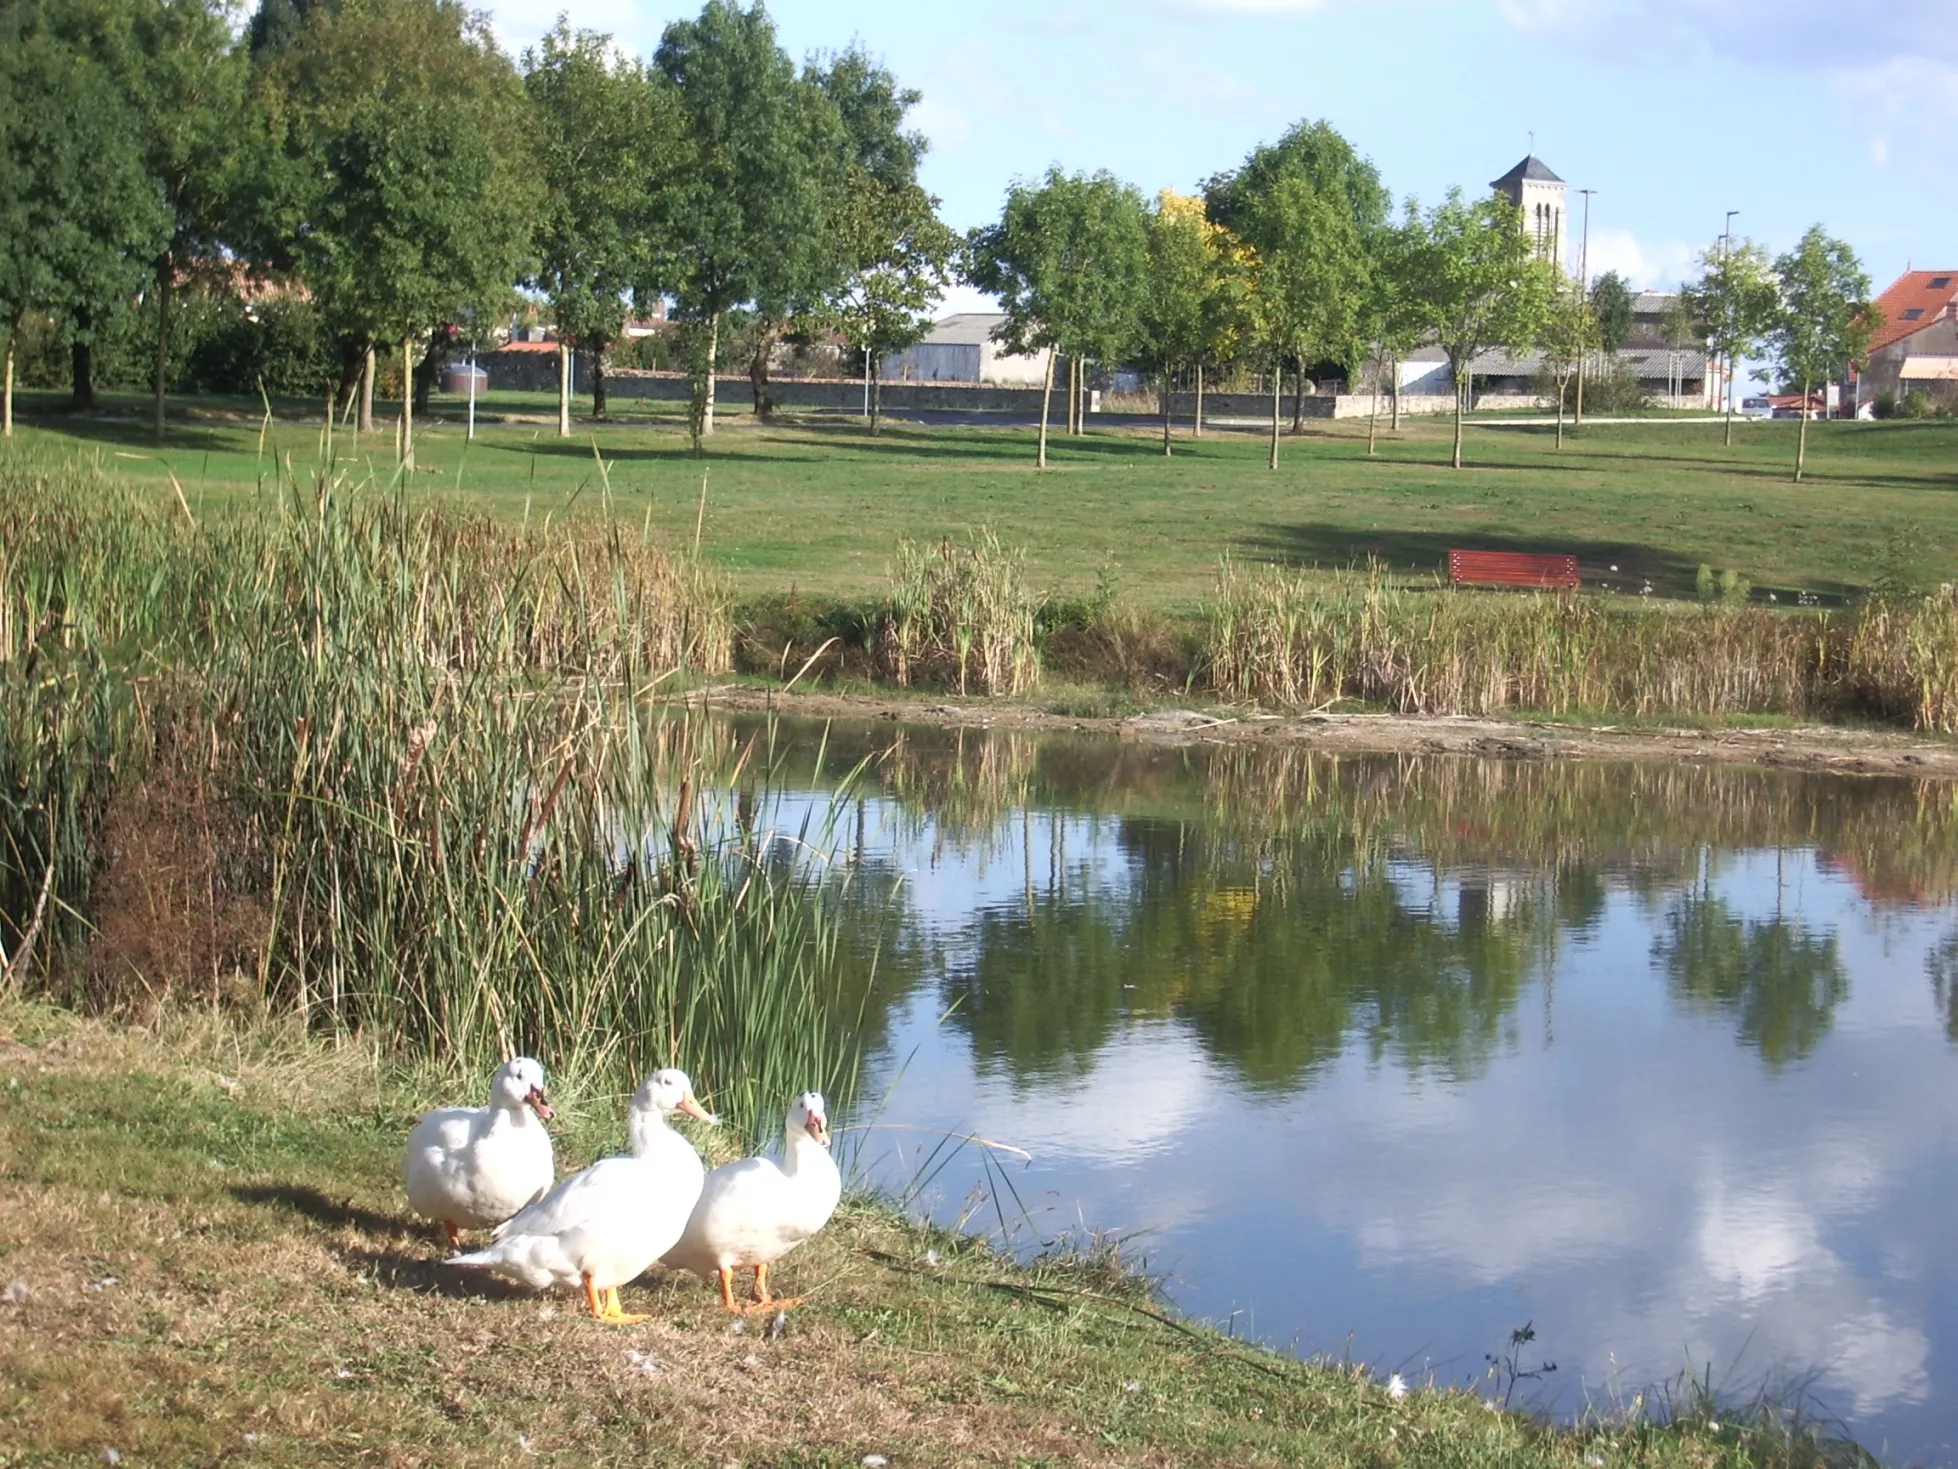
(1136, 1102)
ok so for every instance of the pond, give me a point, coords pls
(1389, 1058)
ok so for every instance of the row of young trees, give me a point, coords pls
(388, 159)
(1297, 263)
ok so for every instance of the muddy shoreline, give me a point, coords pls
(1821, 748)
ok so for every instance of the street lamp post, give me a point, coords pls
(1584, 289)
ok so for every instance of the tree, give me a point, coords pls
(607, 135)
(1609, 324)
(1734, 300)
(405, 180)
(890, 257)
(742, 218)
(189, 84)
(1391, 317)
(1308, 208)
(80, 215)
(1569, 328)
(1068, 260)
(1479, 285)
(902, 256)
(1823, 321)
(1177, 319)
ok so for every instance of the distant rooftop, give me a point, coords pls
(1531, 169)
(966, 328)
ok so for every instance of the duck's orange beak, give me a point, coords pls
(818, 1128)
(693, 1109)
(538, 1105)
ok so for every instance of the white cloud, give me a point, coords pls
(1643, 264)
(1795, 33)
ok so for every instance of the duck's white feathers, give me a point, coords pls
(610, 1222)
(753, 1212)
(474, 1167)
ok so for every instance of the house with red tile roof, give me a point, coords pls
(1916, 348)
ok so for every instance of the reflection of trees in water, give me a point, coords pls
(1278, 960)
(1780, 982)
(1942, 965)
(1264, 896)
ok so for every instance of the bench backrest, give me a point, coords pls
(1512, 568)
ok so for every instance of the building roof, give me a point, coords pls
(1531, 169)
(967, 328)
(1927, 293)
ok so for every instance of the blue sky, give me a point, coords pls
(1791, 111)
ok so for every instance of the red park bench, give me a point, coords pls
(1512, 569)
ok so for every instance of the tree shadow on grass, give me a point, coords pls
(1333, 546)
(140, 438)
(396, 1253)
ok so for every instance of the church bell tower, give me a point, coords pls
(1539, 193)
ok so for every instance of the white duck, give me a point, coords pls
(473, 1167)
(754, 1212)
(604, 1226)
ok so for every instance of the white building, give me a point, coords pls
(961, 349)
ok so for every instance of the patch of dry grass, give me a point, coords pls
(218, 1268)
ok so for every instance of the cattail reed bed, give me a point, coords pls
(1284, 639)
(393, 769)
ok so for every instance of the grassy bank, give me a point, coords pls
(817, 508)
(208, 1261)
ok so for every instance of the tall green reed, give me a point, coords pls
(440, 809)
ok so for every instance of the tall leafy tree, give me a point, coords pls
(1068, 259)
(1177, 319)
(1823, 323)
(742, 219)
(1607, 324)
(80, 214)
(1309, 208)
(1479, 285)
(406, 184)
(608, 134)
(1734, 299)
(189, 83)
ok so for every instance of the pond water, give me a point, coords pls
(1386, 1058)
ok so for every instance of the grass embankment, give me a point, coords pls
(817, 507)
(207, 1260)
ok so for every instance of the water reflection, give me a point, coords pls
(1390, 1055)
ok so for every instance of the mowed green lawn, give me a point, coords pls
(817, 505)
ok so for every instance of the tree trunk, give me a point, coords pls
(165, 286)
(1168, 452)
(1396, 425)
(1277, 409)
(713, 355)
(563, 386)
(83, 357)
(597, 345)
(1197, 422)
(7, 391)
(758, 373)
(1801, 434)
(1562, 383)
(1046, 393)
(407, 403)
(1730, 402)
(365, 423)
(1298, 396)
(876, 397)
(1373, 417)
(432, 358)
(1579, 410)
(1461, 407)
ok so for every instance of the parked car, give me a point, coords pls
(1756, 408)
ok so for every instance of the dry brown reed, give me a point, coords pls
(962, 616)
